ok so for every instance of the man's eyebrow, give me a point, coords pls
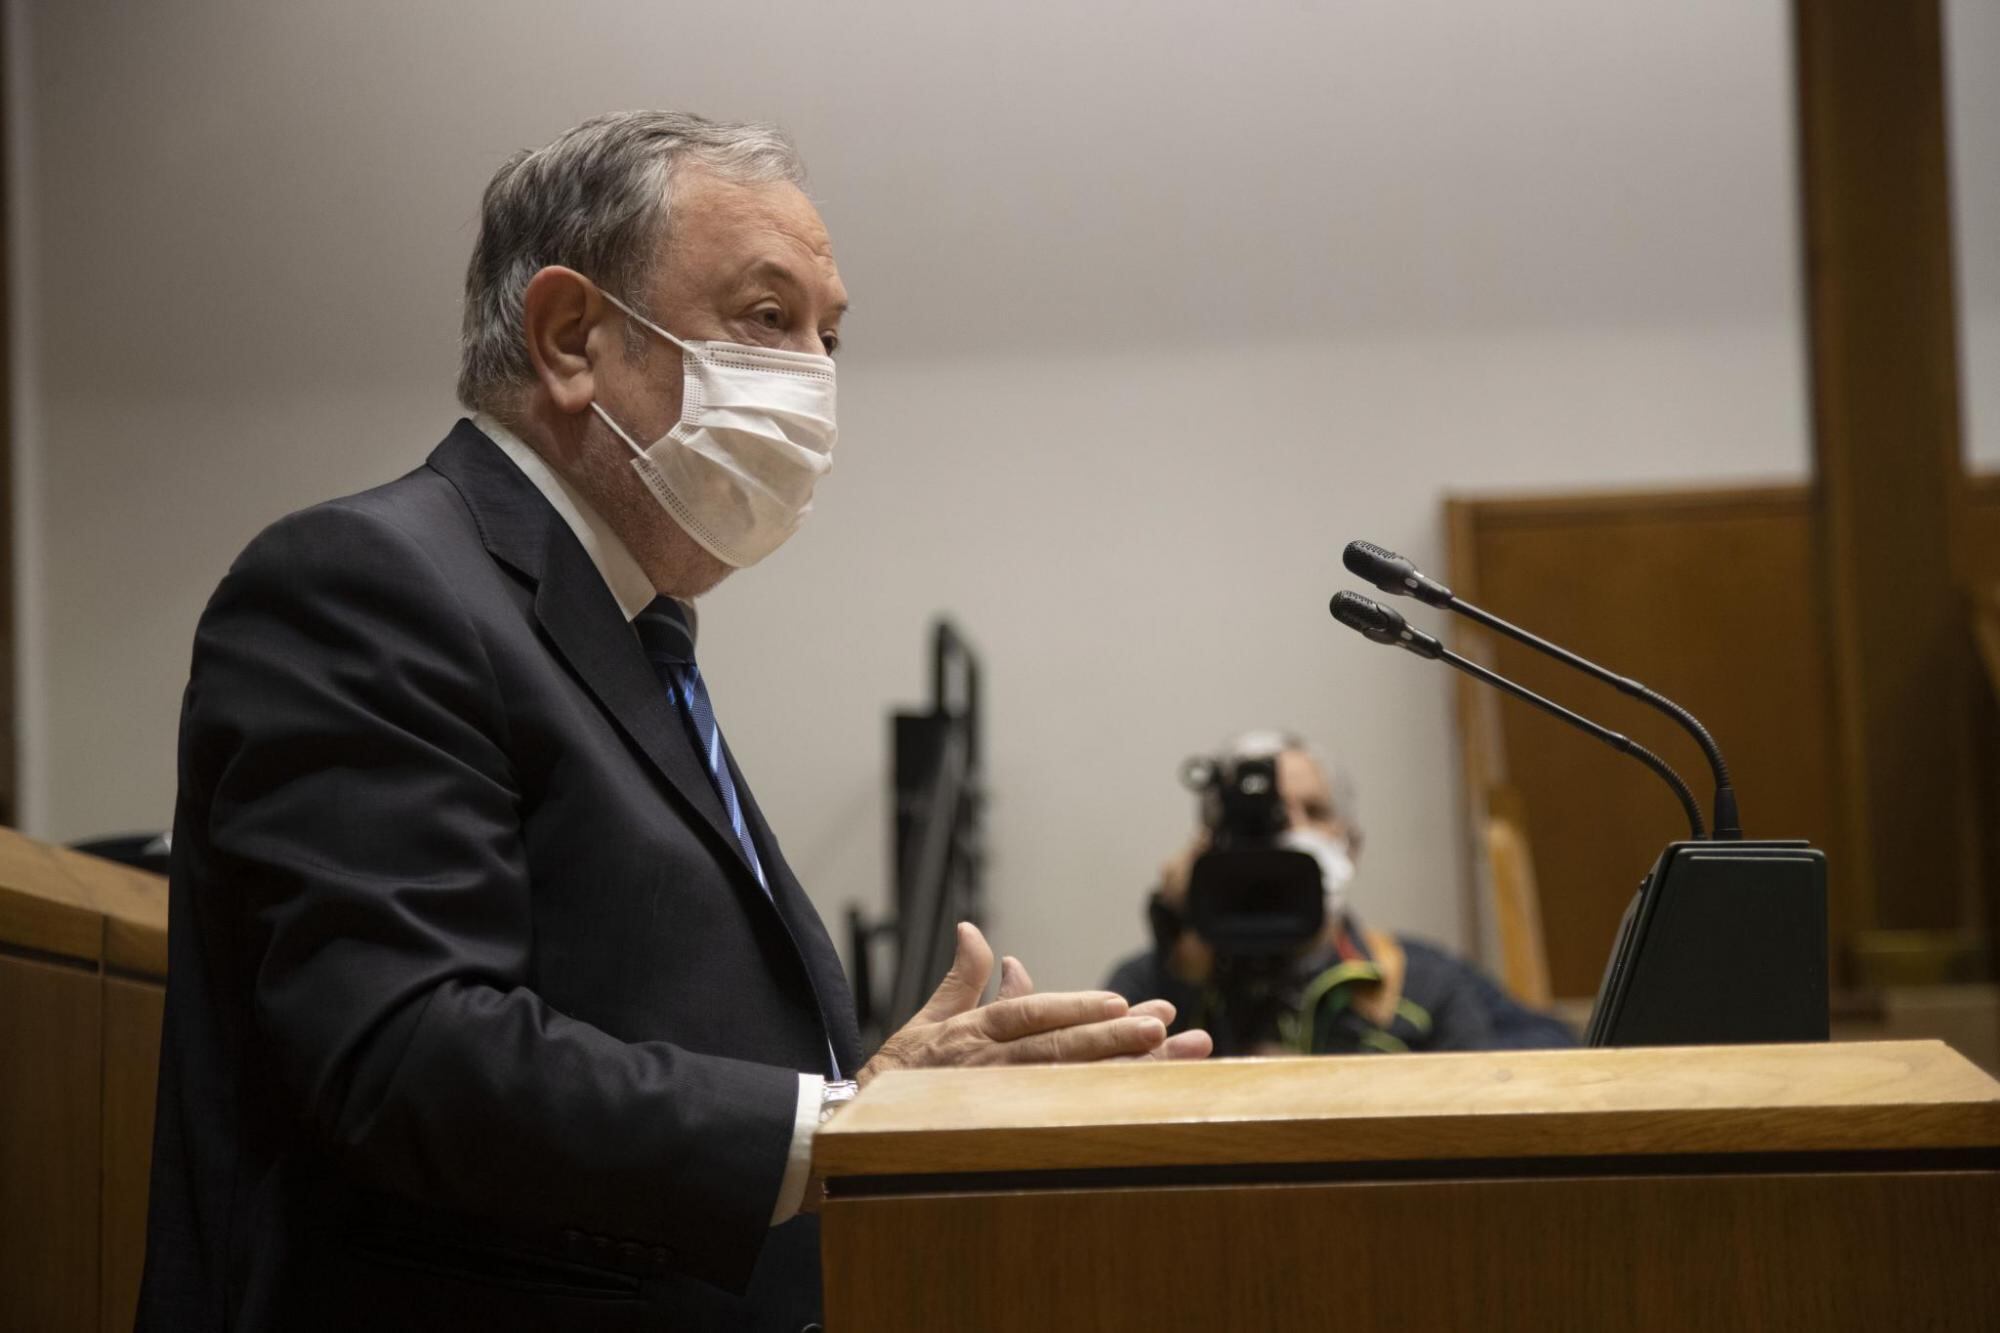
(770, 269)
(776, 270)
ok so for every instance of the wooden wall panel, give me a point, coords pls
(83, 959)
(1979, 533)
(9, 726)
(1841, 1251)
(1881, 339)
(133, 1011)
(1709, 598)
(49, 1146)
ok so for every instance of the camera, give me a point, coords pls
(1259, 905)
(1251, 898)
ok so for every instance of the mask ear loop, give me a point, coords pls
(617, 429)
(642, 321)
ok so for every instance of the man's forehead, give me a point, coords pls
(739, 224)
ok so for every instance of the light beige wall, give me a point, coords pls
(1157, 305)
(1972, 70)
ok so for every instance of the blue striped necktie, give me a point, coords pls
(663, 632)
(669, 644)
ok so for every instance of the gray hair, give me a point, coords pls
(595, 200)
(1271, 744)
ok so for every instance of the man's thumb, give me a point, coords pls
(966, 982)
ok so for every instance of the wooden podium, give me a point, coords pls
(1716, 1188)
(83, 964)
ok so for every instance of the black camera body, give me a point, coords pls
(1253, 900)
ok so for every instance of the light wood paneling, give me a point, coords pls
(40, 908)
(132, 1016)
(58, 901)
(83, 953)
(1884, 1096)
(1780, 1252)
(49, 1146)
(1517, 900)
(1809, 1187)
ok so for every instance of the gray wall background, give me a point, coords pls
(1156, 305)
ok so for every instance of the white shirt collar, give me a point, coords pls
(628, 583)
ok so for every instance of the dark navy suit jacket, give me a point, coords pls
(477, 1016)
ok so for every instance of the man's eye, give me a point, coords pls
(830, 342)
(771, 317)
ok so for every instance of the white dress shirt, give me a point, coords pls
(634, 592)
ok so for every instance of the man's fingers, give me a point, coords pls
(1092, 1041)
(1014, 979)
(1012, 1019)
(1190, 1045)
(1160, 1009)
(966, 981)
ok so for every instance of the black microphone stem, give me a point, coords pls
(1623, 744)
(1727, 823)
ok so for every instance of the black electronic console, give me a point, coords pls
(1725, 941)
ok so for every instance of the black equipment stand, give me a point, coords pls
(939, 856)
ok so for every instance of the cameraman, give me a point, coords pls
(1343, 988)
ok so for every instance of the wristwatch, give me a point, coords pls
(835, 1094)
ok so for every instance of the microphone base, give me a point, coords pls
(1724, 944)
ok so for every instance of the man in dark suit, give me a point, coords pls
(493, 1003)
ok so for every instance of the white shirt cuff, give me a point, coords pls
(798, 1165)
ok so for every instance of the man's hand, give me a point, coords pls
(1021, 1027)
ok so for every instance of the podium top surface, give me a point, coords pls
(81, 907)
(1838, 1097)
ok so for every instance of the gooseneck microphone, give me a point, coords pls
(1394, 574)
(1383, 625)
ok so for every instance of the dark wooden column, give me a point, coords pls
(1885, 410)
(9, 786)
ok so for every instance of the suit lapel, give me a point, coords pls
(592, 635)
(581, 619)
(823, 969)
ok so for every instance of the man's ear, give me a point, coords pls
(558, 312)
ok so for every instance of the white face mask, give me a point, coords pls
(756, 432)
(1336, 867)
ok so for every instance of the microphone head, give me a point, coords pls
(1385, 569)
(1393, 573)
(1367, 617)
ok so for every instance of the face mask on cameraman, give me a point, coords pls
(1336, 865)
